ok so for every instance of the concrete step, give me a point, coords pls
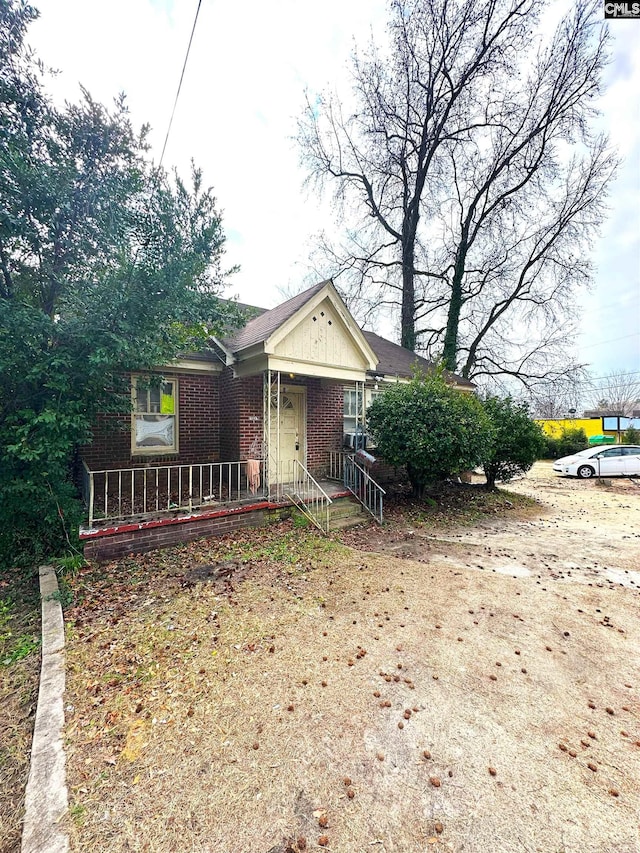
(342, 523)
(345, 508)
(346, 512)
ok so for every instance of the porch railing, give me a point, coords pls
(140, 493)
(309, 496)
(364, 487)
(336, 464)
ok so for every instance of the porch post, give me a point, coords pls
(91, 496)
(360, 415)
(266, 427)
(271, 419)
(278, 462)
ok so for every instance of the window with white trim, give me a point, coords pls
(155, 414)
(353, 406)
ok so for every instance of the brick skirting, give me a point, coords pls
(115, 542)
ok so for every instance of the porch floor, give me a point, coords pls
(246, 501)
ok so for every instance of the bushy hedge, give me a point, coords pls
(571, 440)
(432, 430)
(38, 519)
(517, 440)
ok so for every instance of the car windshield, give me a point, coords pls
(587, 452)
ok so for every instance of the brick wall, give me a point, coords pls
(241, 415)
(198, 430)
(199, 418)
(325, 407)
(163, 535)
(229, 405)
(251, 415)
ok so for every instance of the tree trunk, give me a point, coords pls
(408, 322)
(7, 289)
(490, 474)
(408, 244)
(450, 347)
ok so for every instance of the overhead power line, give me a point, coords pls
(184, 66)
(156, 177)
(611, 341)
(621, 377)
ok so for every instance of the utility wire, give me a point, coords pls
(184, 66)
(624, 377)
(156, 177)
(612, 341)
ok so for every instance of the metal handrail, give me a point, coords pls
(336, 463)
(118, 494)
(309, 496)
(362, 485)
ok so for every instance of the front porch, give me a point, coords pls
(132, 510)
(129, 495)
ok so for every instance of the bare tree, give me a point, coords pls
(618, 392)
(470, 180)
(509, 302)
(555, 400)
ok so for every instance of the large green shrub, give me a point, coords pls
(571, 440)
(429, 428)
(39, 518)
(631, 436)
(107, 266)
(517, 440)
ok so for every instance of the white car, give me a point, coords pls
(619, 460)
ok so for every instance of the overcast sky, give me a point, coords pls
(243, 90)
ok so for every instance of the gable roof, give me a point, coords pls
(262, 327)
(394, 360)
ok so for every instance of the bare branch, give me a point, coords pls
(469, 177)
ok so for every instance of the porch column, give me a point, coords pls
(271, 405)
(360, 414)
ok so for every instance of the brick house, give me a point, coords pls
(259, 421)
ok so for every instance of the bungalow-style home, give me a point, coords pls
(270, 417)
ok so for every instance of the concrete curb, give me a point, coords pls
(46, 795)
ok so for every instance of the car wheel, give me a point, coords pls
(585, 472)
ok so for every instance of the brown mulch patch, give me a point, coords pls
(442, 508)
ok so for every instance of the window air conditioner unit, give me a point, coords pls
(355, 440)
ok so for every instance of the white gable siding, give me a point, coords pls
(321, 338)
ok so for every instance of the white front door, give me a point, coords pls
(287, 438)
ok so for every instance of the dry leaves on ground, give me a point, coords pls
(223, 692)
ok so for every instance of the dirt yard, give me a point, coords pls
(461, 687)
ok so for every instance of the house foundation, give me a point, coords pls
(112, 543)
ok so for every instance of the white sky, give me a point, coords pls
(243, 90)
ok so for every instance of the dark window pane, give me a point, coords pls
(141, 399)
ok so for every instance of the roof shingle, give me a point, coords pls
(394, 360)
(260, 328)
